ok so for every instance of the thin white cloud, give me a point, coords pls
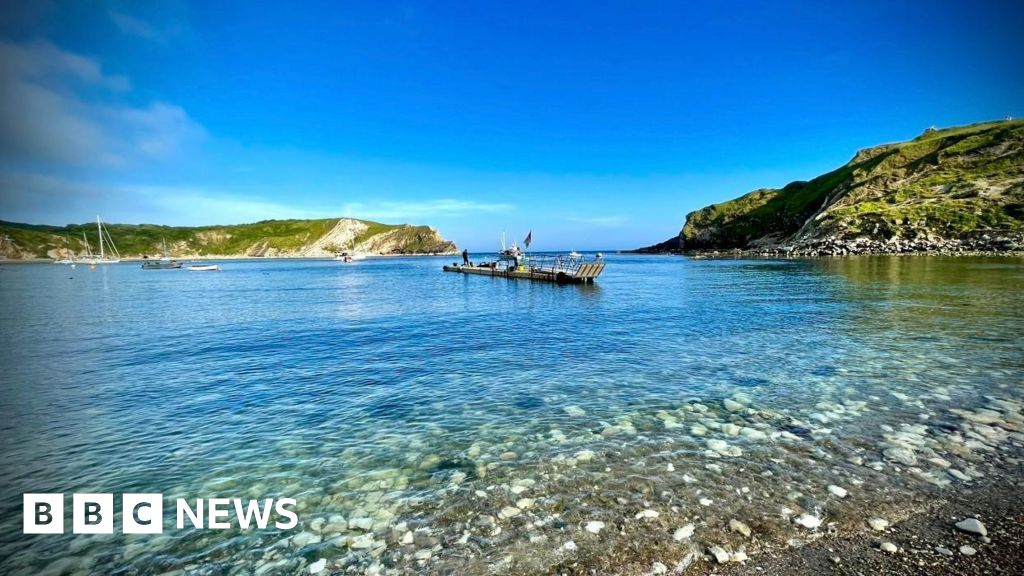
(137, 27)
(158, 130)
(44, 119)
(42, 62)
(424, 210)
(38, 124)
(198, 206)
(26, 195)
(604, 221)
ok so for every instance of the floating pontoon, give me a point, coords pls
(560, 269)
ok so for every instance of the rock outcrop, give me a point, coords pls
(953, 190)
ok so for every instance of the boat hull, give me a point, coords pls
(161, 265)
(584, 275)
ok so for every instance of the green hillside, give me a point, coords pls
(269, 237)
(943, 187)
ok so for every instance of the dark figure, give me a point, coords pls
(465, 257)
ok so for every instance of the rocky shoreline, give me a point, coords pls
(976, 530)
(983, 245)
(995, 244)
(904, 501)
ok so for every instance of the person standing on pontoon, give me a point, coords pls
(465, 256)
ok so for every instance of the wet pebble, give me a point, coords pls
(808, 521)
(720, 555)
(305, 538)
(365, 524)
(524, 503)
(753, 434)
(732, 405)
(683, 533)
(363, 541)
(584, 456)
(737, 526)
(889, 547)
(508, 512)
(720, 446)
(973, 526)
(958, 475)
(837, 491)
(902, 455)
(878, 524)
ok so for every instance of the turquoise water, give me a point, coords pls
(433, 404)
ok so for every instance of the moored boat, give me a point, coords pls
(349, 256)
(515, 263)
(103, 234)
(204, 268)
(164, 263)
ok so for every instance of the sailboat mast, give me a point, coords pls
(99, 230)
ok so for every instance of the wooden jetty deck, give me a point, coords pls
(585, 273)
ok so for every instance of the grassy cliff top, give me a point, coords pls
(947, 182)
(236, 239)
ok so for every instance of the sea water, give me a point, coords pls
(428, 422)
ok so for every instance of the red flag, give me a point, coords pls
(529, 239)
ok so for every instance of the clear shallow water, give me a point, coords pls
(430, 403)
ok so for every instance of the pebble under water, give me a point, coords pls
(438, 423)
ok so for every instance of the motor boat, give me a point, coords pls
(164, 263)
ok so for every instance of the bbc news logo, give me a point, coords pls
(144, 513)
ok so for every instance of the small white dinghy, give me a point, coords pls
(349, 256)
(204, 268)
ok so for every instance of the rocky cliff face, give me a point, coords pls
(959, 189)
(407, 240)
(273, 238)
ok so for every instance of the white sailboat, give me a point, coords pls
(91, 259)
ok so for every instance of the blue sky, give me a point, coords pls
(596, 124)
